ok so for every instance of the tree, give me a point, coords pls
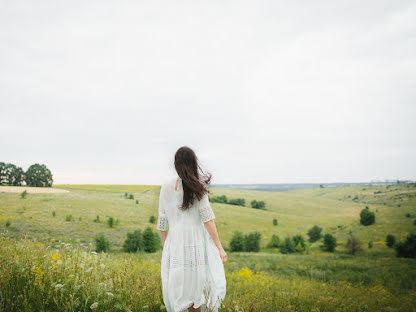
(237, 201)
(367, 217)
(252, 242)
(237, 241)
(219, 199)
(133, 242)
(258, 204)
(2, 172)
(38, 175)
(288, 246)
(101, 243)
(11, 175)
(152, 219)
(353, 244)
(274, 242)
(299, 240)
(330, 242)
(390, 240)
(275, 222)
(150, 243)
(407, 249)
(315, 233)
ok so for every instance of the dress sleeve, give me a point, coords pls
(162, 222)
(205, 210)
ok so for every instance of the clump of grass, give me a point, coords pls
(68, 218)
(54, 213)
(137, 201)
(23, 194)
(97, 219)
(112, 222)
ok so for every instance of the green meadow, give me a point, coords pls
(47, 261)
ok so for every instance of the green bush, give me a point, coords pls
(68, 218)
(134, 242)
(97, 219)
(367, 217)
(102, 244)
(219, 199)
(258, 204)
(274, 222)
(287, 246)
(353, 244)
(237, 241)
(23, 194)
(110, 222)
(152, 219)
(8, 223)
(299, 243)
(407, 215)
(131, 196)
(237, 201)
(252, 242)
(38, 175)
(137, 201)
(414, 222)
(390, 240)
(125, 194)
(370, 244)
(330, 243)
(150, 241)
(407, 249)
(54, 213)
(315, 233)
(274, 242)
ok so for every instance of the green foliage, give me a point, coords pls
(252, 242)
(68, 218)
(390, 240)
(237, 241)
(125, 194)
(287, 246)
(237, 201)
(134, 242)
(54, 213)
(137, 201)
(38, 175)
(152, 219)
(2, 172)
(150, 240)
(97, 219)
(367, 217)
(353, 244)
(330, 243)
(370, 244)
(102, 244)
(110, 222)
(407, 215)
(131, 196)
(274, 242)
(11, 175)
(275, 222)
(8, 223)
(414, 222)
(315, 233)
(258, 204)
(23, 194)
(219, 199)
(299, 243)
(407, 248)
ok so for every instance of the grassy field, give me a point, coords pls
(373, 280)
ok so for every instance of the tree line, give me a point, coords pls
(36, 175)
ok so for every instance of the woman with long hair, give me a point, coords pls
(193, 258)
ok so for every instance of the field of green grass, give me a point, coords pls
(373, 280)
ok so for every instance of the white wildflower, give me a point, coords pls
(110, 294)
(88, 270)
(58, 286)
(93, 252)
(102, 265)
(94, 306)
(81, 265)
(59, 262)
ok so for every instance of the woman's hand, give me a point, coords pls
(223, 255)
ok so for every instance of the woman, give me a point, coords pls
(193, 258)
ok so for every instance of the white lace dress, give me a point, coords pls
(192, 271)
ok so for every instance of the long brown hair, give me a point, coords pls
(194, 180)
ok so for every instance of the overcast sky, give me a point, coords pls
(263, 91)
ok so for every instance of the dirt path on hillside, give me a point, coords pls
(19, 189)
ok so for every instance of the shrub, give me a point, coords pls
(8, 223)
(407, 215)
(407, 249)
(80, 219)
(299, 243)
(54, 213)
(315, 233)
(353, 244)
(390, 240)
(274, 242)
(370, 244)
(137, 201)
(219, 199)
(125, 194)
(367, 217)
(258, 204)
(68, 218)
(38, 175)
(330, 242)
(23, 194)
(288, 246)
(414, 222)
(133, 242)
(252, 242)
(152, 219)
(150, 241)
(237, 241)
(237, 201)
(274, 222)
(110, 222)
(102, 244)
(97, 219)
(131, 196)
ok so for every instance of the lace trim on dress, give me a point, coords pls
(192, 257)
(162, 223)
(206, 211)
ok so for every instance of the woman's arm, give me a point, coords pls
(163, 235)
(212, 230)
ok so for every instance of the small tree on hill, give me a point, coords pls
(101, 243)
(134, 242)
(353, 244)
(258, 204)
(390, 240)
(237, 241)
(275, 222)
(38, 175)
(315, 233)
(274, 242)
(367, 217)
(152, 219)
(330, 242)
(252, 242)
(407, 249)
(150, 242)
(287, 246)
